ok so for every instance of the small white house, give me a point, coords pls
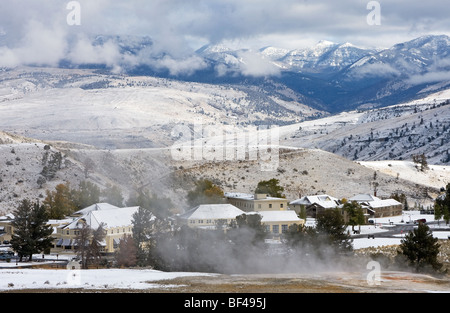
(209, 215)
(278, 222)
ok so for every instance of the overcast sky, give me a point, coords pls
(38, 31)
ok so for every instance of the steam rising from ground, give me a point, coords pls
(240, 252)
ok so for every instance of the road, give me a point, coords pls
(394, 230)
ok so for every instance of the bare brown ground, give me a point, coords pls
(334, 282)
(342, 282)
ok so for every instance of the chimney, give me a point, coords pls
(259, 196)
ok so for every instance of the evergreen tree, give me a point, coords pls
(302, 214)
(443, 204)
(270, 187)
(31, 232)
(87, 194)
(256, 230)
(301, 238)
(400, 197)
(355, 213)
(143, 220)
(437, 212)
(421, 249)
(331, 228)
(159, 207)
(422, 160)
(113, 195)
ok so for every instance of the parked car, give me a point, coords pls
(6, 255)
(420, 220)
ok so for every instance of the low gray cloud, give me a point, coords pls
(431, 77)
(376, 70)
(37, 31)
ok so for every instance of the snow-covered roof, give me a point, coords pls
(7, 217)
(279, 216)
(383, 203)
(324, 201)
(112, 218)
(373, 201)
(248, 196)
(96, 207)
(364, 198)
(213, 211)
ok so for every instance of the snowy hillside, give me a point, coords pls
(391, 133)
(437, 176)
(307, 172)
(27, 168)
(111, 111)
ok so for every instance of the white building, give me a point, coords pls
(117, 223)
(278, 222)
(256, 202)
(209, 215)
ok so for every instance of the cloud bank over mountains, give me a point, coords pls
(37, 32)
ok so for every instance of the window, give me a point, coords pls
(270, 205)
(284, 228)
(276, 229)
(281, 205)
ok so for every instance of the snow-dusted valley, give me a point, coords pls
(113, 111)
(126, 127)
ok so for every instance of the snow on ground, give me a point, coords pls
(14, 279)
(437, 176)
(360, 243)
(406, 218)
(382, 225)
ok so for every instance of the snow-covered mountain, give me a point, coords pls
(328, 76)
(325, 56)
(338, 77)
(418, 56)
